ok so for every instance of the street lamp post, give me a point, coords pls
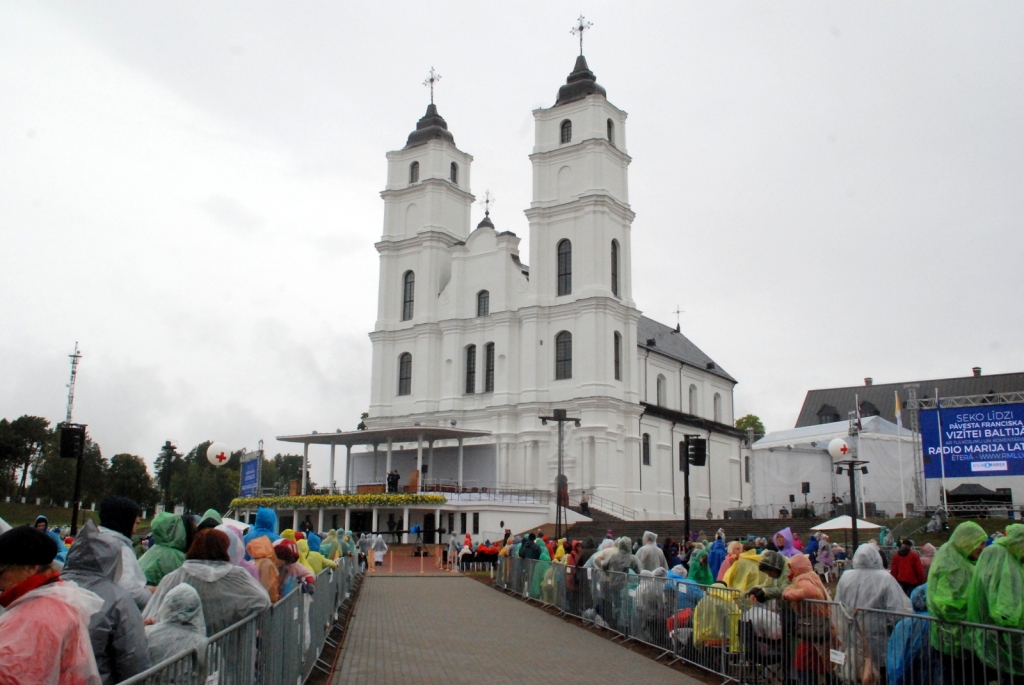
(851, 466)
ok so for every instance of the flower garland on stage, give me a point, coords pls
(398, 499)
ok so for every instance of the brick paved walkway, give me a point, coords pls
(456, 630)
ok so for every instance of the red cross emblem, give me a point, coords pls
(844, 449)
(221, 457)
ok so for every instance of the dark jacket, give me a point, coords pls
(116, 631)
(529, 550)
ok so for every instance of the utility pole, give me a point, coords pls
(694, 452)
(851, 466)
(561, 483)
(72, 440)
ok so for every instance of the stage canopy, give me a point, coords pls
(844, 523)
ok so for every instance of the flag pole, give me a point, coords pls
(899, 453)
(942, 453)
(863, 503)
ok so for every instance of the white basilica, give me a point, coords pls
(469, 335)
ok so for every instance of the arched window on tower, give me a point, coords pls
(646, 449)
(693, 400)
(566, 131)
(405, 374)
(471, 369)
(615, 268)
(489, 367)
(455, 173)
(565, 267)
(617, 353)
(483, 303)
(563, 356)
(718, 408)
(662, 390)
(414, 172)
(611, 132)
(408, 295)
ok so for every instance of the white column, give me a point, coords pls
(330, 481)
(320, 528)
(388, 468)
(295, 519)
(430, 460)
(376, 521)
(349, 471)
(460, 465)
(419, 464)
(348, 518)
(305, 465)
(437, 525)
(405, 526)
(497, 472)
(375, 465)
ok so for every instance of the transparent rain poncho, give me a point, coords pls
(869, 586)
(650, 555)
(909, 661)
(949, 577)
(745, 572)
(995, 598)
(182, 626)
(168, 550)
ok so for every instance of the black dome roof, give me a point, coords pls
(431, 126)
(580, 84)
(486, 221)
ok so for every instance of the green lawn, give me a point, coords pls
(25, 514)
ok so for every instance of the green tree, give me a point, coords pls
(289, 468)
(53, 478)
(362, 421)
(10, 458)
(167, 464)
(750, 421)
(199, 485)
(27, 435)
(129, 477)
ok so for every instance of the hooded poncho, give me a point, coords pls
(228, 592)
(995, 598)
(869, 586)
(266, 524)
(236, 551)
(650, 556)
(716, 557)
(168, 550)
(181, 626)
(732, 552)
(698, 569)
(267, 563)
(909, 661)
(786, 549)
(948, 581)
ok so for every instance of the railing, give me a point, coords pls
(279, 645)
(733, 636)
(605, 505)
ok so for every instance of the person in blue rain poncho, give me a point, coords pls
(716, 556)
(42, 523)
(910, 659)
(266, 524)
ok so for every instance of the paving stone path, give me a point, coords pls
(456, 630)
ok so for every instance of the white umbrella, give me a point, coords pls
(844, 523)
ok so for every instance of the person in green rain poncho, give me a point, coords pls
(540, 568)
(699, 571)
(996, 597)
(168, 551)
(331, 546)
(949, 577)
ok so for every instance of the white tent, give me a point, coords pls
(844, 522)
(782, 460)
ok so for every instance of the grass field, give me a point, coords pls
(25, 514)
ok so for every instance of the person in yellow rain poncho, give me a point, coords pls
(717, 613)
(305, 560)
(316, 557)
(289, 534)
(995, 598)
(560, 552)
(745, 573)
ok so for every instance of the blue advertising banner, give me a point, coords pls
(975, 441)
(250, 478)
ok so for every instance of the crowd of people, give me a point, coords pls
(107, 604)
(973, 577)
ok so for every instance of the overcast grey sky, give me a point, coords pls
(190, 190)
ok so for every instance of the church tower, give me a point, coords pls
(580, 249)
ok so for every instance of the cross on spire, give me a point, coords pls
(580, 27)
(431, 80)
(677, 312)
(487, 201)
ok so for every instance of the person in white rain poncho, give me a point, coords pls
(650, 555)
(380, 548)
(181, 626)
(228, 592)
(869, 586)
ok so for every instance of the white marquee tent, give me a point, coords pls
(782, 460)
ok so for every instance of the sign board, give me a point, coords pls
(975, 441)
(250, 473)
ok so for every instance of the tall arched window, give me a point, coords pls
(455, 173)
(563, 355)
(471, 369)
(483, 303)
(489, 367)
(617, 353)
(615, 268)
(414, 172)
(565, 267)
(566, 131)
(693, 400)
(718, 408)
(646, 449)
(405, 374)
(611, 132)
(408, 295)
(662, 391)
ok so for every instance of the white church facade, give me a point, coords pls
(468, 335)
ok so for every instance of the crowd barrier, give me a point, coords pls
(281, 645)
(731, 635)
